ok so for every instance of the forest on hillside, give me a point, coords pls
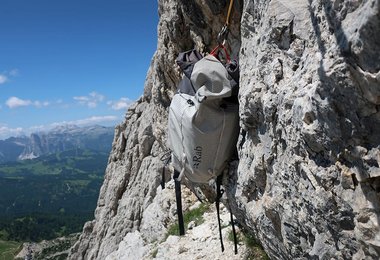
(50, 196)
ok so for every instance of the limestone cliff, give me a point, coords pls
(308, 177)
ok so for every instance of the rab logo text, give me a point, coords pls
(197, 158)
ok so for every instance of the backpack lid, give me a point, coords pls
(211, 79)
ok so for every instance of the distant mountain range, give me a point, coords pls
(62, 138)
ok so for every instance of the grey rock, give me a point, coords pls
(307, 180)
(302, 179)
(191, 225)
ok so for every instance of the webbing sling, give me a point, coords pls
(177, 184)
(222, 36)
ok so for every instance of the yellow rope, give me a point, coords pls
(229, 12)
(222, 36)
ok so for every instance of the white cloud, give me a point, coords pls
(122, 103)
(41, 103)
(97, 96)
(91, 101)
(15, 102)
(4, 76)
(94, 120)
(88, 121)
(38, 128)
(6, 132)
(3, 79)
(13, 72)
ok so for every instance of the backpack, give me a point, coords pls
(203, 123)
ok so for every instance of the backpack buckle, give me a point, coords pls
(190, 102)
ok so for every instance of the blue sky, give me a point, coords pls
(72, 61)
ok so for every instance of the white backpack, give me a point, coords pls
(203, 122)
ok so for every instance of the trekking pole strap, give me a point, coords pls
(178, 198)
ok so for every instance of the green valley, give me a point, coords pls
(50, 196)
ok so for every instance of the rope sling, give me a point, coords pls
(222, 36)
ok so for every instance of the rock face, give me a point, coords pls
(57, 248)
(307, 183)
(12, 148)
(68, 137)
(308, 177)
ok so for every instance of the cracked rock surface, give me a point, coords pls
(307, 182)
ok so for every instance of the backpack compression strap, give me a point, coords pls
(177, 184)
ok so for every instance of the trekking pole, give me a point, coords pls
(219, 194)
(177, 185)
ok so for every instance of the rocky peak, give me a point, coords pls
(65, 128)
(59, 139)
(307, 183)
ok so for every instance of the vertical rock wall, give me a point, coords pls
(308, 182)
(308, 179)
